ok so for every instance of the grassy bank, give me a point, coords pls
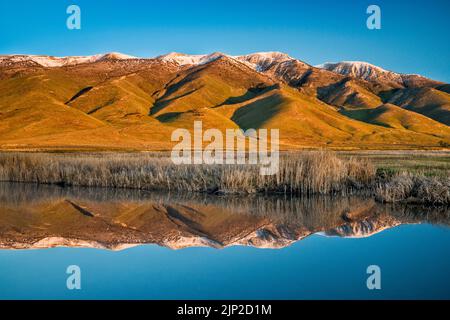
(426, 163)
(411, 188)
(304, 173)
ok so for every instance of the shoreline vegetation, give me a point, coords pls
(300, 173)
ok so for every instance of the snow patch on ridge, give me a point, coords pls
(186, 59)
(261, 61)
(361, 69)
(52, 62)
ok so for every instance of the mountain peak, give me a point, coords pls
(270, 55)
(187, 59)
(262, 61)
(51, 61)
(369, 72)
(116, 56)
(358, 69)
(258, 61)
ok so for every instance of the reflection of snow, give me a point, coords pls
(359, 229)
(53, 242)
(185, 242)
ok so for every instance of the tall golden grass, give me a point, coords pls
(305, 173)
(315, 172)
(407, 187)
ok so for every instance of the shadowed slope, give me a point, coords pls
(391, 116)
(430, 102)
(348, 93)
(130, 103)
(68, 107)
(196, 92)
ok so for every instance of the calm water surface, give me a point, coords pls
(140, 245)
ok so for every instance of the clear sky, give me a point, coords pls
(414, 38)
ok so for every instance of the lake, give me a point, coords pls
(147, 245)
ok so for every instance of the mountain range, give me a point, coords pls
(116, 101)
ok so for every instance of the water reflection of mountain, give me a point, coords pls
(33, 216)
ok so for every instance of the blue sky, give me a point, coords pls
(414, 37)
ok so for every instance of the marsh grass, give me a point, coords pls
(300, 173)
(411, 188)
(418, 162)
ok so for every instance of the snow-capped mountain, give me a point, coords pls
(277, 65)
(259, 61)
(362, 70)
(262, 61)
(186, 59)
(369, 72)
(52, 62)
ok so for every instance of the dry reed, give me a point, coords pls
(406, 187)
(300, 173)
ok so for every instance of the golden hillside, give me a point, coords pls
(135, 104)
